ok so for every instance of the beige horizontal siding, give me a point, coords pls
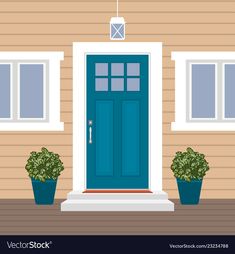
(213, 174)
(205, 194)
(210, 151)
(104, 6)
(55, 24)
(20, 173)
(172, 193)
(24, 151)
(213, 162)
(133, 29)
(6, 162)
(132, 18)
(26, 184)
(21, 193)
(167, 39)
(66, 183)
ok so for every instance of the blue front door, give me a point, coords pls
(117, 121)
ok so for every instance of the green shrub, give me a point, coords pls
(189, 165)
(44, 165)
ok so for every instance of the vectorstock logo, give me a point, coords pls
(29, 245)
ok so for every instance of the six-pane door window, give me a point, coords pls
(117, 77)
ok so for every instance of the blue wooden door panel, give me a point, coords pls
(104, 138)
(130, 138)
(117, 105)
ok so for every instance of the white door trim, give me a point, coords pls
(80, 50)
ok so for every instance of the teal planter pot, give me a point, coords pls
(189, 191)
(44, 192)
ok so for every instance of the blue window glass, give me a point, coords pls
(203, 91)
(101, 69)
(101, 84)
(117, 69)
(133, 69)
(5, 91)
(31, 90)
(117, 84)
(133, 84)
(229, 90)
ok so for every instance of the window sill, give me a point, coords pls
(31, 126)
(212, 126)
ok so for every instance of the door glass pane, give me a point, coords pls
(229, 90)
(117, 69)
(130, 138)
(101, 69)
(31, 90)
(203, 91)
(101, 84)
(104, 138)
(133, 69)
(133, 84)
(117, 84)
(5, 91)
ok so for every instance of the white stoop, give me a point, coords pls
(77, 201)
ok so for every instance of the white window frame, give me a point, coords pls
(182, 122)
(51, 63)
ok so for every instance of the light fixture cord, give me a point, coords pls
(117, 8)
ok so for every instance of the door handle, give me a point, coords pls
(90, 135)
(90, 131)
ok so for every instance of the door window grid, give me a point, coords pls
(121, 77)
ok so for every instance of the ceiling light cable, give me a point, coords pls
(117, 8)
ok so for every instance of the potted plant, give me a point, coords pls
(189, 168)
(44, 168)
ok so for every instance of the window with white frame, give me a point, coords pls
(204, 91)
(30, 91)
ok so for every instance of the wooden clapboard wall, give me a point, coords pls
(52, 25)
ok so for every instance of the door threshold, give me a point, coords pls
(117, 191)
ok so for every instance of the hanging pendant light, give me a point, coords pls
(117, 27)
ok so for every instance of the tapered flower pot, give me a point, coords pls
(189, 191)
(44, 192)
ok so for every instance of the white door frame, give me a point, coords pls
(80, 51)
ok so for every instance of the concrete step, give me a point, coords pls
(117, 196)
(78, 201)
(117, 205)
